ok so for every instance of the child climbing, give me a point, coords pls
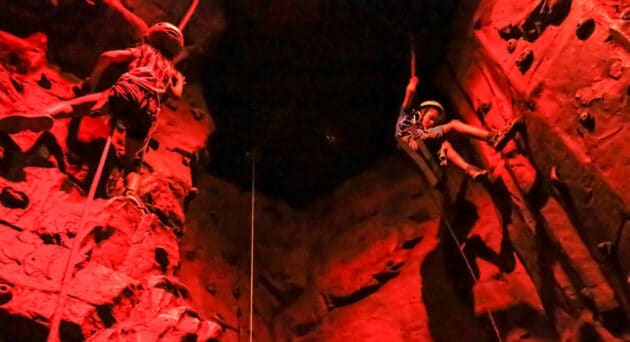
(134, 100)
(427, 123)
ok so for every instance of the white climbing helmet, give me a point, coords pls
(433, 104)
(165, 37)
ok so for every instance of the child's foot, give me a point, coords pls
(135, 199)
(498, 139)
(476, 173)
(16, 123)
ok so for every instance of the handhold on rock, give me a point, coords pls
(511, 45)
(484, 108)
(6, 293)
(154, 144)
(616, 69)
(588, 121)
(585, 28)
(161, 256)
(198, 113)
(554, 174)
(19, 86)
(211, 288)
(524, 60)
(14, 199)
(510, 32)
(44, 82)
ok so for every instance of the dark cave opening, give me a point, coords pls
(314, 89)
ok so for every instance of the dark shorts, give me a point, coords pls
(133, 110)
(136, 107)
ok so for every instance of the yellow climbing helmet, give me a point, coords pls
(165, 37)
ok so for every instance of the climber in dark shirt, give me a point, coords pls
(427, 124)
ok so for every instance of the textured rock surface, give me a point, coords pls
(121, 285)
(574, 99)
(547, 237)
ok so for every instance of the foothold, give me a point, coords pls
(18, 85)
(585, 28)
(484, 108)
(525, 60)
(511, 45)
(161, 256)
(154, 144)
(588, 121)
(477, 24)
(211, 288)
(13, 199)
(510, 31)
(626, 14)
(616, 69)
(44, 82)
(554, 174)
(6, 293)
(198, 114)
(534, 31)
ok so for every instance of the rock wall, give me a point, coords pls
(546, 236)
(562, 65)
(121, 283)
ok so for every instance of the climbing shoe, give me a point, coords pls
(476, 173)
(499, 138)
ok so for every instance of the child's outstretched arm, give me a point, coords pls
(410, 93)
(106, 58)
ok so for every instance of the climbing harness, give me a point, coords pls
(53, 335)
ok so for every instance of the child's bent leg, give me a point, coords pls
(447, 151)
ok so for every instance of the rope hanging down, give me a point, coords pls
(251, 251)
(466, 261)
(431, 179)
(53, 334)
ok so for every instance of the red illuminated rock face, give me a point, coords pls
(547, 237)
(122, 284)
(561, 65)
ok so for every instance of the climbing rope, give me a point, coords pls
(251, 251)
(466, 261)
(53, 334)
(189, 13)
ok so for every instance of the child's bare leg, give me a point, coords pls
(454, 157)
(466, 129)
(496, 138)
(76, 107)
